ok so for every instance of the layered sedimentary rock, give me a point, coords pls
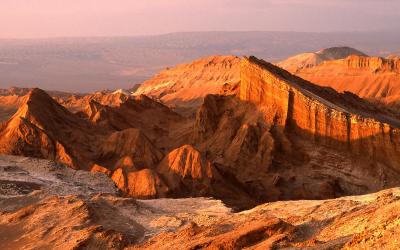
(45, 205)
(373, 78)
(186, 166)
(322, 114)
(98, 142)
(43, 128)
(280, 137)
(140, 112)
(144, 183)
(285, 138)
(312, 59)
(188, 84)
(130, 143)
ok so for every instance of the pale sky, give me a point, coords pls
(60, 18)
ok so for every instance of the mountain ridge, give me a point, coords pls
(276, 137)
(373, 78)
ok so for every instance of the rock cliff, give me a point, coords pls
(373, 78)
(307, 109)
(276, 137)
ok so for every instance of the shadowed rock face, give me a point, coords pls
(280, 137)
(43, 128)
(133, 143)
(45, 205)
(285, 138)
(337, 120)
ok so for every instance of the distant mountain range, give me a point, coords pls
(88, 64)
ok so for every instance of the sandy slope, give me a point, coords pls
(47, 206)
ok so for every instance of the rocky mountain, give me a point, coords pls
(373, 78)
(127, 142)
(281, 127)
(43, 128)
(12, 98)
(276, 137)
(312, 59)
(46, 205)
(270, 137)
(188, 84)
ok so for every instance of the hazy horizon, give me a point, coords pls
(122, 43)
(98, 18)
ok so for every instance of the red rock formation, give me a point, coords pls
(373, 78)
(307, 109)
(187, 172)
(188, 84)
(280, 137)
(79, 102)
(151, 117)
(125, 163)
(284, 138)
(130, 143)
(42, 128)
(99, 169)
(312, 59)
(186, 163)
(143, 184)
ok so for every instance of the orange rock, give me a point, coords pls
(320, 113)
(43, 128)
(132, 143)
(312, 59)
(141, 184)
(373, 78)
(125, 163)
(188, 84)
(97, 168)
(185, 163)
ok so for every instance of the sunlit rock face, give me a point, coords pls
(43, 128)
(374, 78)
(187, 84)
(312, 59)
(320, 113)
(276, 137)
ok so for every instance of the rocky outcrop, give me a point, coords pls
(43, 203)
(333, 120)
(143, 184)
(281, 137)
(80, 102)
(312, 59)
(130, 143)
(374, 64)
(187, 84)
(42, 128)
(141, 112)
(187, 172)
(374, 78)
(100, 169)
(285, 138)
(184, 165)
(358, 222)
